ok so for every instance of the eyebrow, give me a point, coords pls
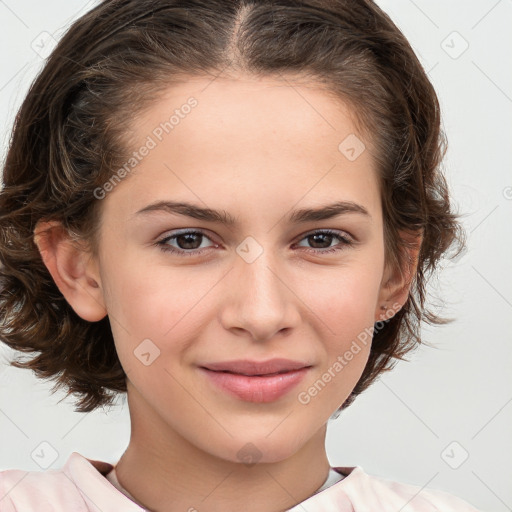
(221, 216)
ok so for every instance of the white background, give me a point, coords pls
(421, 421)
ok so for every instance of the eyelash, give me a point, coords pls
(163, 245)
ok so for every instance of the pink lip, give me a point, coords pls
(256, 388)
(255, 381)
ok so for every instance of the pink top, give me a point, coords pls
(82, 485)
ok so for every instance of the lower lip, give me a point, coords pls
(260, 389)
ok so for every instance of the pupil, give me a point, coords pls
(321, 235)
(189, 241)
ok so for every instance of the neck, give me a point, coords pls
(173, 474)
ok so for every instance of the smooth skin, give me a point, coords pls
(257, 149)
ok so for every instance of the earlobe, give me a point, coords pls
(396, 283)
(72, 268)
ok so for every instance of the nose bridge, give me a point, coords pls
(260, 301)
(256, 270)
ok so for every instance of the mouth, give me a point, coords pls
(253, 381)
(257, 368)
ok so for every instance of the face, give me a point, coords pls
(275, 282)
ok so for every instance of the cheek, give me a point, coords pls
(162, 304)
(343, 309)
(346, 298)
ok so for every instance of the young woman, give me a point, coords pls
(227, 210)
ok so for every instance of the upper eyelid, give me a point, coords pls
(184, 231)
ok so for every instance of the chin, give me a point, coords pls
(264, 448)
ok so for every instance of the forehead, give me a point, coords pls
(249, 142)
(287, 108)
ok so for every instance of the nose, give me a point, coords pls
(259, 297)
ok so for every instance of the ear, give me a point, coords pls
(73, 269)
(396, 283)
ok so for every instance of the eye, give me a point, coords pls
(188, 243)
(326, 237)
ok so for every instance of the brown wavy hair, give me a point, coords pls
(72, 132)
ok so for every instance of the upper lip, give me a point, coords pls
(246, 367)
